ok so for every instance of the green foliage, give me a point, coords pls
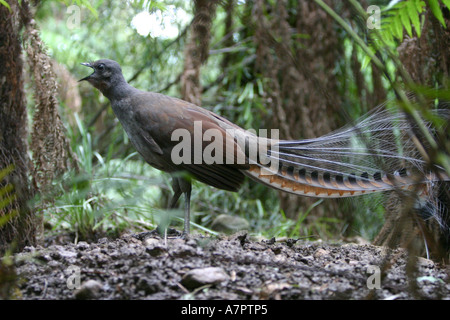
(109, 195)
(149, 5)
(404, 15)
(84, 3)
(395, 20)
(436, 9)
(4, 3)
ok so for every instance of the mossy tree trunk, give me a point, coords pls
(18, 223)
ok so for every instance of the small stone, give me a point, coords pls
(273, 289)
(53, 264)
(244, 290)
(184, 251)
(102, 240)
(277, 249)
(149, 286)
(156, 250)
(304, 259)
(82, 245)
(43, 256)
(425, 263)
(320, 253)
(88, 290)
(203, 276)
(66, 254)
(229, 224)
(151, 241)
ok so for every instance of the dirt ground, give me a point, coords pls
(227, 267)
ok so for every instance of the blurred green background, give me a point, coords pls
(264, 57)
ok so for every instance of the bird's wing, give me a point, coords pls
(163, 115)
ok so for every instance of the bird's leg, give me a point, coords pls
(162, 227)
(187, 212)
(186, 187)
(176, 193)
(179, 186)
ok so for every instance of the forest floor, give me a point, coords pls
(226, 267)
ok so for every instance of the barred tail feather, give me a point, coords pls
(377, 154)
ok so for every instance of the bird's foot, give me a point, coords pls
(157, 233)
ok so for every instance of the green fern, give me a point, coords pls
(436, 9)
(399, 17)
(405, 15)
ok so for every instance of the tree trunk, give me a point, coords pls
(197, 49)
(18, 223)
(302, 90)
(52, 155)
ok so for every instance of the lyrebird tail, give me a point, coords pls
(382, 151)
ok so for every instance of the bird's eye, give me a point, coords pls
(101, 67)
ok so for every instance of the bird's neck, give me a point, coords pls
(118, 90)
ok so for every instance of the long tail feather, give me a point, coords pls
(378, 153)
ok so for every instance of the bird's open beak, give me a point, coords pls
(87, 64)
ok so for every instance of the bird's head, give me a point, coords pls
(107, 73)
